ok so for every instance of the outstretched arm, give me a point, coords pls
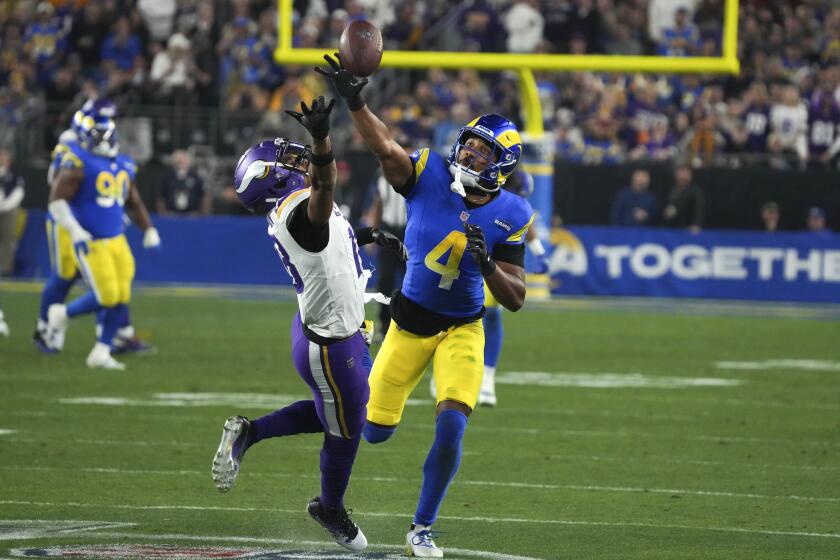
(396, 165)
(317, 121)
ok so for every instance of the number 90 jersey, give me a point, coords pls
(441, 276)
(98, 204)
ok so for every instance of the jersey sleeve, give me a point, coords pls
(71, 160)
(420, 159)
(521, 218)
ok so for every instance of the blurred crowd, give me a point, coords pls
(782, 109)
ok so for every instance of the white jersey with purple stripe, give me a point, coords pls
(330, 284)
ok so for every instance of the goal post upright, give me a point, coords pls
(538, 158)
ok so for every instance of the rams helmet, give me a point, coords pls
(95, 128)
(503, 137)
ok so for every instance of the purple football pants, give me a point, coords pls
(337, 374)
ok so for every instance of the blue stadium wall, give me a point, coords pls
(585, 260)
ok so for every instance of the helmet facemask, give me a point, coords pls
(271, 170)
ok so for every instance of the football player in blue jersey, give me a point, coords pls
(456, 206)
(64, 272)
(93, 184)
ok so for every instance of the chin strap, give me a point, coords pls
(456, 186)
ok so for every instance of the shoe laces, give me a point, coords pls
(423, 538)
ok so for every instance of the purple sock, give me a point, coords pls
(337, 458)
(297, 418)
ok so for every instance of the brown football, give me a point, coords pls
(360, 48)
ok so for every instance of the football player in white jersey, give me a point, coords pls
(293, 184)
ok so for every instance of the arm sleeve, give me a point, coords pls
(513, 254)
(310, 237)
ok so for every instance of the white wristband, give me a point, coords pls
(151, 238)
(536, 247)
(63, 215)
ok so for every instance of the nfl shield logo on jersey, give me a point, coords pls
(465, 216)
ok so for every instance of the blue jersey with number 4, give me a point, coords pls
(98, 204)
(441, 276)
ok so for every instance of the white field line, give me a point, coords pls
(491, 483)
(653, 459)
(716, 402)
(494, 429)
(392, 515)
(298, 543)
(305, 448)
(5, 432)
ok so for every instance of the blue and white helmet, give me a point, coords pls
(95, 128)
(501, 134)
(269, 171)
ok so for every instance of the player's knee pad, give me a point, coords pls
(377, 434)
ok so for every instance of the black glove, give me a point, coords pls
(390, 241)
(477, 246)
(349, 86)
(317, 119)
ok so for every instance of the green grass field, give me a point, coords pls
(618, 436)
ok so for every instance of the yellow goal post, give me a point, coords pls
(525, 64)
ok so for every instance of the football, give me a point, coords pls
(360, 48)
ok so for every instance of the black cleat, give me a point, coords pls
(338, 523)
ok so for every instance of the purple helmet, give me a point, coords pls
(269, 171)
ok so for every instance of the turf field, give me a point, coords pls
(620, 434)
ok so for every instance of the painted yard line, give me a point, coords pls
(296, 542)
(493, 429)
(498, 484)
(681, 401)
(654, 459)
(604, 433)
(6, 432)
(392, 515)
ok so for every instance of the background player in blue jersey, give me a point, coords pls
(93, 184)
(455, 206)
(63, 269)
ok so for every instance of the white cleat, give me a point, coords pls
(100, 357)
(229, 454)
(418, 542)
(487, 392)
(4, 328)
(56, 326)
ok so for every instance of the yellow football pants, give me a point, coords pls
(457, 355)
(108, 268)
(62, 259)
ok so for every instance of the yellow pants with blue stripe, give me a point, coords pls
(457, 355)
(108, 268)
(62, 259)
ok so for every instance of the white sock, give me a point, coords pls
(489, 372)
(98, 330)
(126, 332)
(101, 347)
